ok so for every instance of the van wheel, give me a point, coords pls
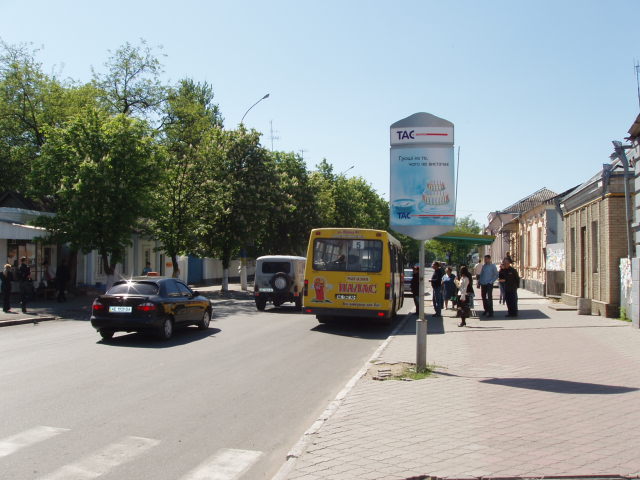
(106, 334)
(261, 303)
(298, 302)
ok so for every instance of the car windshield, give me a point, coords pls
(134, 288)
(276, 267)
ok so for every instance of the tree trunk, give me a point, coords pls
(109, 269)
(176, 268)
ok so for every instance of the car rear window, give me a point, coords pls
(276, 267)
(134, 288)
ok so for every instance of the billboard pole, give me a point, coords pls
(421, 324)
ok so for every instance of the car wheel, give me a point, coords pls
(299, 302)
(166, 330)
(206, 319)
(261, 303)
(106, 334)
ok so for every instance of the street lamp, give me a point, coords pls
(347, 170)
(245, 113)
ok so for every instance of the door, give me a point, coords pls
(583, 262)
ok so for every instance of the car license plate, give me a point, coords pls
(266, 289)
(346, 297)
(120, 309)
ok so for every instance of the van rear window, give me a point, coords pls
(347, 255)
(276, 267)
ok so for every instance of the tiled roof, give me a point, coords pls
(532, 201)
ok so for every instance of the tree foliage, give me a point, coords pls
(450, 251)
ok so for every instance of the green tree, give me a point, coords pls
(450, 251)
(241, 188)
(131, 84)
(190, 115)
(102, 170)
(293, 209)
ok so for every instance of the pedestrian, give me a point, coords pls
(488, 275)
(508, 257)
(146, 269)
(501, 285)
(24, 279)
(6, 276)
(436, 286)
(47, 274)
(465, 294)
(448, 287)
(415, 287)
(509, 276)
(62, 277)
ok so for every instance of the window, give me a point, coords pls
(336, 254)
(134, 288)
(276, 267)
(595, 247)
(172, 289)
(573, 249)
(184, 290)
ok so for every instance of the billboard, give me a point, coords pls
(422, 189)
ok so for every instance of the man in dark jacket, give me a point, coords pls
(509, 277)
(436, 285)
(24, 277)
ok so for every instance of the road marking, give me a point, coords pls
(105, 460)
(226, 464)
(24, 439)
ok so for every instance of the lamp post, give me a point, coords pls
(245, 113)
(347, 170)
(243, 251)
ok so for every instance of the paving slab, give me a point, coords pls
(550, 393)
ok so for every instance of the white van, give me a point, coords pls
(279, 279)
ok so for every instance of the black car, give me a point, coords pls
(149, 304)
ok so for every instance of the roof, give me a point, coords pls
(527, 203)
(468, 238)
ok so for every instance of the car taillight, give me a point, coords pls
(98, 306)
(306, 287)
(146, 307)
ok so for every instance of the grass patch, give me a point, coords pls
(623, 315)
(412, 373)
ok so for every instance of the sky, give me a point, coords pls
(536, 90)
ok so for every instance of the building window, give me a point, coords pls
(595, 247)
(540, 248)
(573, 249)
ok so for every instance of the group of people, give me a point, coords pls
(446, 287)
(22, 275)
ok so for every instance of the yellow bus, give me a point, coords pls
(353, 272)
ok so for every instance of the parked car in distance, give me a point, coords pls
(408, 275)
(149, 304)
(279, 279)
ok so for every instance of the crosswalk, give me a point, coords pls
(225, 464)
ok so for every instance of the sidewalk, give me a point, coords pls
(549, 393)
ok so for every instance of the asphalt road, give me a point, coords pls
(225, 403)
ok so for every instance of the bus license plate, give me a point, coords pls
(120, 309)
(345, 297)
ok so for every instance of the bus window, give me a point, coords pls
(331, 254)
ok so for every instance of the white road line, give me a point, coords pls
(24, 439)
(105, 460)
(226, 464)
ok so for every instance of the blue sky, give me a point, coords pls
(536, 90)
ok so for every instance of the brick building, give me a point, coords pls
(595, 234)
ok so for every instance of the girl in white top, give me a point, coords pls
(465, 292)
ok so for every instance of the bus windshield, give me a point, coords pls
(347, 255)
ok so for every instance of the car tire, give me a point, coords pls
(280, 282)
(261, 303)
(299, 302)
(206, 320)
(166, 330)
(106, 334)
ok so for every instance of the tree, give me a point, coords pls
(190, 116)
(102, 170)
(131, 85)
(451, 251)
(293, 211)
(240, 189)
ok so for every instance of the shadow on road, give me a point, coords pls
(181, 336)
(525, 314)
(560, 386)
(356, 328)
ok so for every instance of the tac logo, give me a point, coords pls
(406, 135)
(404, 215)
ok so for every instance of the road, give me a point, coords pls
(231, 400)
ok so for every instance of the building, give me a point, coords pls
(596, 232)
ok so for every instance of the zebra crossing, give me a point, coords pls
(225, 464)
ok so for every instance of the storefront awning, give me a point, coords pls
(18, 231)
(467, 238)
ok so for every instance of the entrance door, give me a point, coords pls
(583, 262)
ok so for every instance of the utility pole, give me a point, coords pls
(272, 135)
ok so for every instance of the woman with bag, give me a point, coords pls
(7, 277)
(466, 295)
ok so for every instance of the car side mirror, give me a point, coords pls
(195, 293)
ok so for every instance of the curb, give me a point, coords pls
(300, 446)
(23, 321)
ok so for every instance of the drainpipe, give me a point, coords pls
(622, 156)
